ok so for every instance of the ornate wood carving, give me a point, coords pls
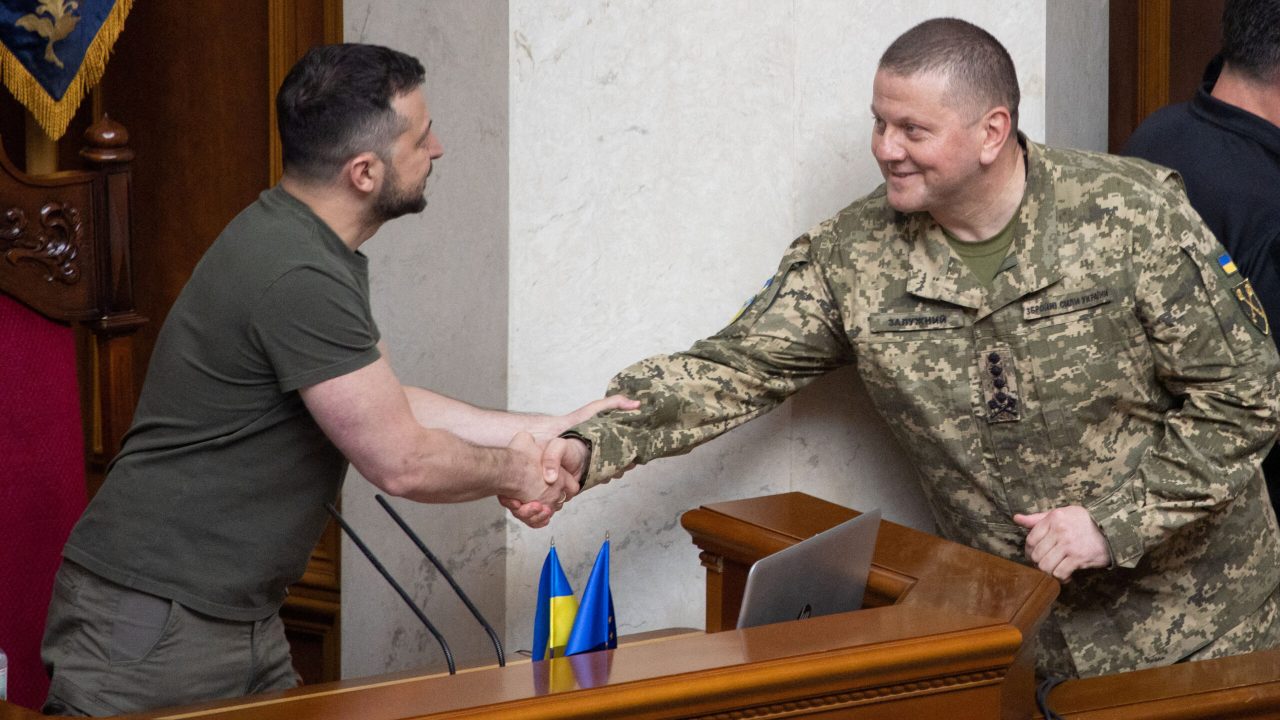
(55, 250)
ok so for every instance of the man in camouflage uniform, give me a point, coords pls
(1093, 397)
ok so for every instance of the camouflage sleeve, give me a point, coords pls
(1213, 352)
(788, 334)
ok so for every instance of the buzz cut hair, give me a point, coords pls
(979, 71)
(1251, 38)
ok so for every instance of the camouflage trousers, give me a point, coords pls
(1260, 630)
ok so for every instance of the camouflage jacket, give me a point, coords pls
(1118, 362)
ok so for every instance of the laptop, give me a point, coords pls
(821, 575)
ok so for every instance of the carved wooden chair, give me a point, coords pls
(66, 374)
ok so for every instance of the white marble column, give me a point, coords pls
(439, 285)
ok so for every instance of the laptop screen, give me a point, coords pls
(821, 575)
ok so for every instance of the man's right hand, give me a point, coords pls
(563, 464)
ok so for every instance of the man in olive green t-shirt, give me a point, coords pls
(266, 379)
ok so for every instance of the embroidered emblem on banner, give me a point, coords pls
(52, 52)
(1252, 307)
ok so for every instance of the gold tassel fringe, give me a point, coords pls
(54, 115)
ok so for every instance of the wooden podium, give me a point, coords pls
(919, 584)
(948, 634)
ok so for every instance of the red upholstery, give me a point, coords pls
(42, 482)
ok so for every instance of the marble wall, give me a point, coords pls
(657, 156)
(439, 285)
(1076, 74)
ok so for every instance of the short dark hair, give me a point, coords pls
(1251, 38)
(977, 66)
(336, 103)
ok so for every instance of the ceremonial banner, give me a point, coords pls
(54, 51)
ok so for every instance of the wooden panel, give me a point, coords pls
(1244, 686)
(1122, 81)
(854, 665)
(1195, 35)
(294, 27)
(190, 87)
(1158, 52)
(1153, 56)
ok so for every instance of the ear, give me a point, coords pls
(364, 172)
(995, 126)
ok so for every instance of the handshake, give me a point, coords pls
(551, 468)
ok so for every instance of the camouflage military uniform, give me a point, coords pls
(1113, 364)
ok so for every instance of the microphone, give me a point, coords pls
(493, 636)
(444, 646)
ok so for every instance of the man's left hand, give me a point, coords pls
(1064, 540)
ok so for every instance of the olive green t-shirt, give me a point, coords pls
(984, 258)
(217, 497)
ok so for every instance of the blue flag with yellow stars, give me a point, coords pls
(553, 618)
(54, 51)
(594, 627)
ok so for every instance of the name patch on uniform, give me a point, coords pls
(1058, 304)
(905, 322)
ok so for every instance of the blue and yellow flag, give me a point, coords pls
(553, 619)
(52, 52)
(594, 627)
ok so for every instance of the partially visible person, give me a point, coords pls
(1225, 143)
(1052, 338)
(266, 379)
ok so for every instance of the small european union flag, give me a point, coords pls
(594, 627)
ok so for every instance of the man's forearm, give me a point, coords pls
(439, 467)
(490, 428)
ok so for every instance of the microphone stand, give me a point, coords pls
(493, 636)
(444, 646)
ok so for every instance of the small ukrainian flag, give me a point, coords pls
(1225, 262)
(553, 619)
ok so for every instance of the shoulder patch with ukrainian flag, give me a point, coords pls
(1243, 290)
(751, 300)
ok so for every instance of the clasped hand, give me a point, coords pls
(1064, 540)
(561, 462)
(561, 466)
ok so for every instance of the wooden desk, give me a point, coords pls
(949, 635)
(910, 570)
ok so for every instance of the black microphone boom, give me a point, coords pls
(448, 656)
(497, 644)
